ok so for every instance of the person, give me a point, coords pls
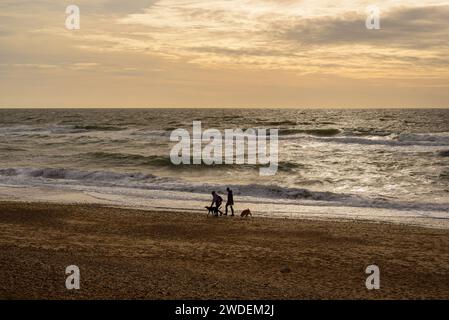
(230, 202)
(218, 201)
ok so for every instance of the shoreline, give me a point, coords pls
(135, 254)
(55, 197)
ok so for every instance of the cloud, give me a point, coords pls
(106, 7)
(415, 28)
(195, 50)
(120, 6)
(293, 35)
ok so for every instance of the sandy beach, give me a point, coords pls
(131, 254)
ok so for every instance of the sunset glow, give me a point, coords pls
(236, 53)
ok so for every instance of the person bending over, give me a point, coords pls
(218, 201)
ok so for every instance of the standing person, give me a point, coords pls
(230, 202)
(218, 201)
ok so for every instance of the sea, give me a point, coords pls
(389, 165)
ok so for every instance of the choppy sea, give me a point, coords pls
(389, 165)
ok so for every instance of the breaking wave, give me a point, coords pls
(393, 140)
(100, 179)
(46, 176)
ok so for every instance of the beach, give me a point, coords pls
(329, 123)
(136, 254)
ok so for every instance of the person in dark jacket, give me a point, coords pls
(218, 201)
(230, 202)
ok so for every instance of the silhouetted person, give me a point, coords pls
(218, 201)
(230, 202)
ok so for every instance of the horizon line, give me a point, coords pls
(229, 107)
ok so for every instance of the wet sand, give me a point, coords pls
(132, 254)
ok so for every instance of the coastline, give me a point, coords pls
(135, 254)
(149, 200)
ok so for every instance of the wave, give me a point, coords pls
(56, 129)
(314, 132)
(423, 137)
(10, 149)
(151, 133)
(126, 159)
(362, 132)
(152, 182)
(20, 129)
(70, 174)
(97, 128)
(368, 136)
(393, 140)
(123, 159)
(279, 123)
(99, 179)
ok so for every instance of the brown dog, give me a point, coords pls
(246, 213)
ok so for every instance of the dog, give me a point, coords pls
(246, 213)
(213, 210)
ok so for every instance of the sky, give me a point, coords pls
(224, 53)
